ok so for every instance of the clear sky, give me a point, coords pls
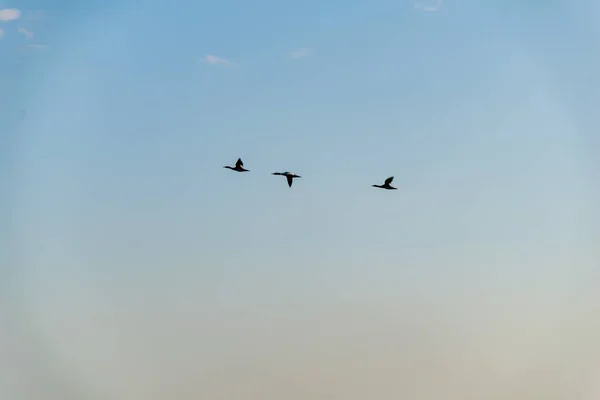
(133, 266)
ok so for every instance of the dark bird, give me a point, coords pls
(239, 166)
(290, 177)
(386, 184)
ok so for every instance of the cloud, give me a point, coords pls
(301, 53)
(34, 16)
(35, 47)
(27, 33)
(1, 33)
(9, 14)
(429, 6)
(214, 60)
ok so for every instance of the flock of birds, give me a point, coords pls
(239, 167)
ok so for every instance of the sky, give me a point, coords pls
(133, 266)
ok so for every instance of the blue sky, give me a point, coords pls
(116, 119)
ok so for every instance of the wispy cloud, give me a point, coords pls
(301, 53)
(36, 15)
(214, 60)
(9, 14)
(1, 33)
(429, 6)
(26, 32)
(34, 47)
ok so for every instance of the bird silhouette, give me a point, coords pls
(239, 166)
(290, 177)
(386, 184)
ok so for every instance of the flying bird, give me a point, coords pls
(239, 166)
(290, 177)
(386, 184)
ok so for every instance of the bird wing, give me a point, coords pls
(290, 179)
(239, 163)
(389, 180)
